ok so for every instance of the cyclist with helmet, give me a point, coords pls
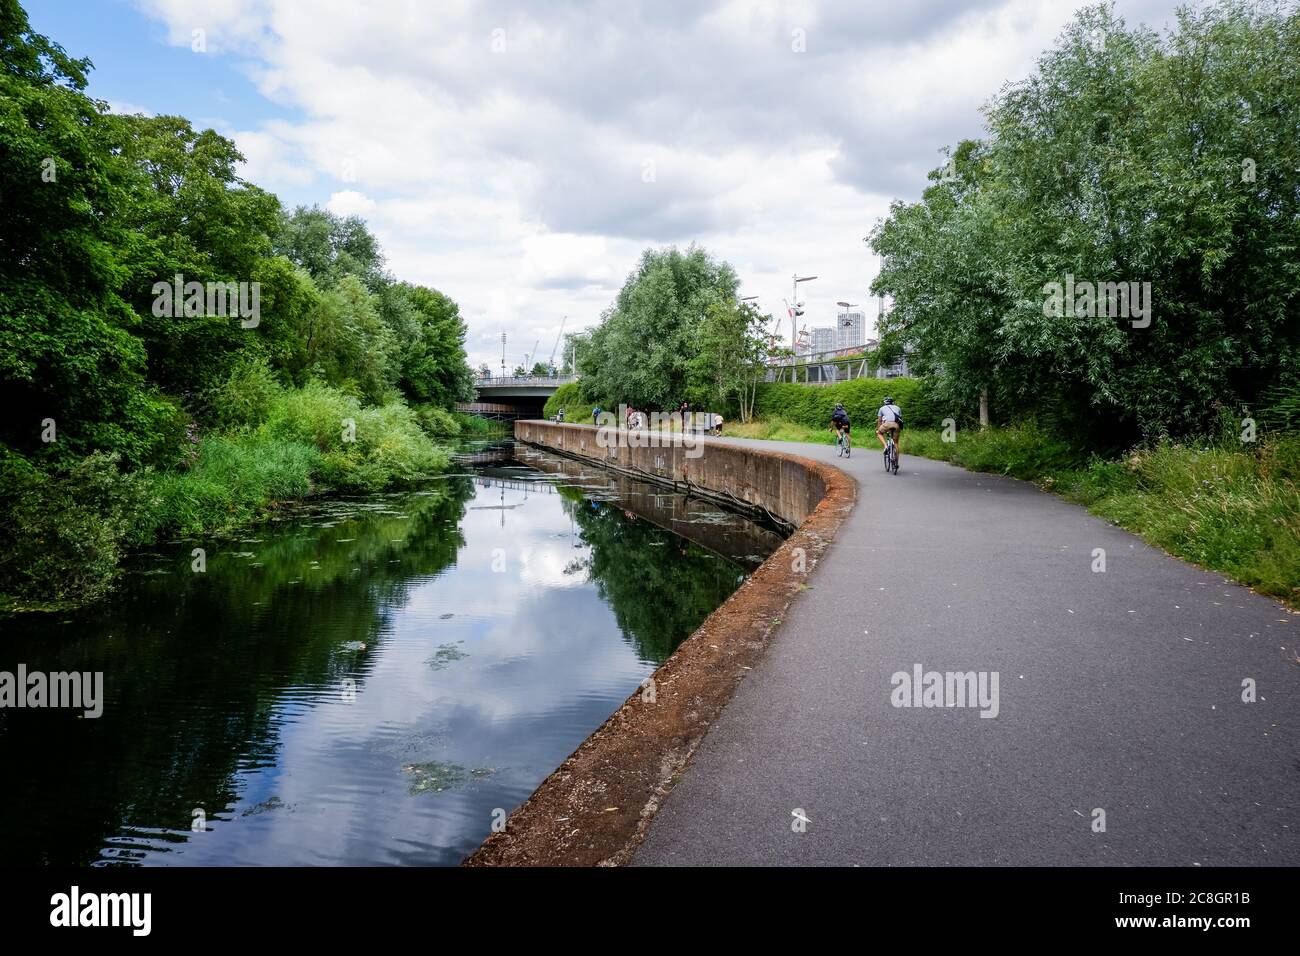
(890, 419)
(840, 423)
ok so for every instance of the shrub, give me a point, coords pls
(233, 479)
(474, 426)
(380, 446)
(437, 422)
(314, 414)
(298, 448)
(245, 398)
(390, 448)
(1281, 409)
(569, 396)
(65, 530)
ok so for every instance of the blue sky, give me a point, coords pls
(135, 64)
(136, 67)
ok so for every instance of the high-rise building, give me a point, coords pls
(851, 331)
(823, 340)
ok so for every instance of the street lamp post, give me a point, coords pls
(503, 355)
(794, 307)
(846, 306)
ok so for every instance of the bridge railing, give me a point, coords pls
(829, 370)
(540, 380)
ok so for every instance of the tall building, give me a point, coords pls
(851, 330)
(823, 340)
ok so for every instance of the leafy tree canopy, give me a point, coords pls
(98, 209)
(641, 352)
(1131, 157)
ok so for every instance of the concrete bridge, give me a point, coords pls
(512, 397)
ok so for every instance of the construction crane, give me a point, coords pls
(557, 340)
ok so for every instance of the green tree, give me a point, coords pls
(67, 354)
(942, 265)
(362, 352)
(330, 247)
(431, 334)
(1131, 157)
(427, 360)
(296, 331)
(641, 351)
(729, 356)
(189, 214)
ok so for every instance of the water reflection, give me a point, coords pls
(364, 681)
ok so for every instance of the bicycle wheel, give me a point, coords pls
(889, 443)
(894, 456)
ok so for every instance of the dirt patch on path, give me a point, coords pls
(595, 808)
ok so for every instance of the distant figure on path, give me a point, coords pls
(595, 415)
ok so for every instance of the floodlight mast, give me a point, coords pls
(796, 307)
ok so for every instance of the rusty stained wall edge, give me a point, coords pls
(594, 809)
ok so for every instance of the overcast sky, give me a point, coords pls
(520, 156)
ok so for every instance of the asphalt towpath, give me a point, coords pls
(1118, 734)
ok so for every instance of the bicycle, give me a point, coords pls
(891, 455)
(843, 444)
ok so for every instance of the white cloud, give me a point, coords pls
(523, 171)
(127, 109)
(349, 202)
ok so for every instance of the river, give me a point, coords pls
(359, 681)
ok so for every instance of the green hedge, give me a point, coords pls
(811, 405)
(801, 404)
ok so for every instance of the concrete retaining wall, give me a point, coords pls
(787, 487)
(595, 808)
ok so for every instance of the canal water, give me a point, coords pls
(361, 680)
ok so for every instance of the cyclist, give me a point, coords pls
(840, 422)
(890, 419)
